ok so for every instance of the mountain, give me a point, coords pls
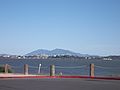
(54, 52)
(39, 52)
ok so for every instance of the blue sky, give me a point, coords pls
(84, 26)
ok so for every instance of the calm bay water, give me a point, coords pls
(66, 66)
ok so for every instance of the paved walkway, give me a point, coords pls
(58, 84)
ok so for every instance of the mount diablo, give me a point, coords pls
(55, 52)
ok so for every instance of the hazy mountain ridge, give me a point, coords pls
(5, 54)
(55, 52)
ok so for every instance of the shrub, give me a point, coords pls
(2, 70)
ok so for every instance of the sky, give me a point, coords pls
(83, 26)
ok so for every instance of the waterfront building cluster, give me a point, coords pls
(23, 57)
(44, 56)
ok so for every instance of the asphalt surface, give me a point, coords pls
(59, 84)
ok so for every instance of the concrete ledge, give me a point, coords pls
(38, 76)
(14, 75)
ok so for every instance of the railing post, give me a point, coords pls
(6, 68)
(39, 67)
(92, 70)
(52, 70)
(26, 69)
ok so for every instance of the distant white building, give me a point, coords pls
(109, 59)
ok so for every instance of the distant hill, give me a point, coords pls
(55, 52)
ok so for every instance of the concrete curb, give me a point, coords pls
(39, 77)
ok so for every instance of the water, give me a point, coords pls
(66, 66)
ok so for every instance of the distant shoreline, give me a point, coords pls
(107, 58)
